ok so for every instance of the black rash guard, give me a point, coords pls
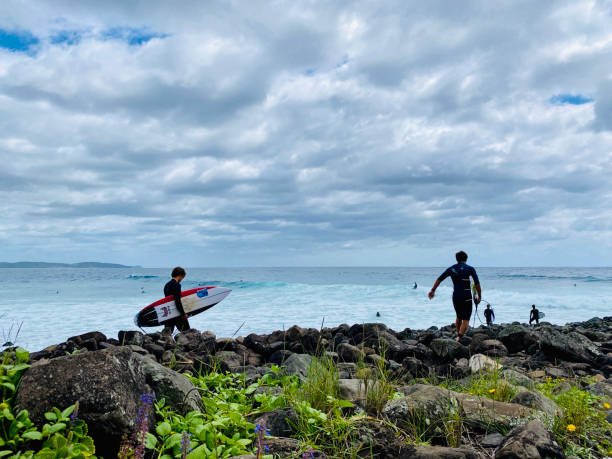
(174, 288)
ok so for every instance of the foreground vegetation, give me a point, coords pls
(226, 426)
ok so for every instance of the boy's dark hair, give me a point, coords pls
(178, 271)
(461, 256)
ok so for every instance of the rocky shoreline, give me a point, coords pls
(107, 376)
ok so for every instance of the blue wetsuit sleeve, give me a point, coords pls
(444, 275)
(475, 277)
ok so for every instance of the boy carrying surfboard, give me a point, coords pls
(173, 288)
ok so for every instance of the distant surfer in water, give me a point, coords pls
(173, 288)
(462, 292)
(415, 286)
(489, 315)
(534, 315)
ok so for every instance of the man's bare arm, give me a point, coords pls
(432, 292)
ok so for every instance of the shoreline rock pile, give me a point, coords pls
(107, 375)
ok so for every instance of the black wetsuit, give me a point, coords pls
(173, 288)
(488, 313)
(462, 293)
(534, 316)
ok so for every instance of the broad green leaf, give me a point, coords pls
(151, 441)
(56, 427)
(32, 435)
(163, 429)
(50, 416)
(22, 355)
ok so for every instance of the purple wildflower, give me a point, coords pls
(261, 431)
(142, 426)
(75, 415)
(185, 444)
(309, 454)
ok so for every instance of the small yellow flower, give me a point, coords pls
(3, 406)
(571, 428)
(582, 394)
(562, 379)
(491, 391)
(606, 405)
(471, 393)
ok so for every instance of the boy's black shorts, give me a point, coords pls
(463, 307)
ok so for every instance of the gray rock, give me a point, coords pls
(537, 401)
(601, 389)
(298, 365)
(448, 349)
(493, 440)
(529, 441)
(230, 361)
(283, 447)
(178, 391)
(189, 339)
(107, 384)
(436, 452)
(516, 377)
(489, 347)
(280, 423)
(355, 390)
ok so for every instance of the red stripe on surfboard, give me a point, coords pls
(171, 298)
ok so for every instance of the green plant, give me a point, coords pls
(378, 384)
(12, 365)
(581, 428)
(321, 386)
(486, 384)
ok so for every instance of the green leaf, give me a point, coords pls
(9, 386)
(5, 453)
(150, 441)
(50, 416)
(32, 435)
(56, 427)
(163, 429)
(67, 412)
(22, 355)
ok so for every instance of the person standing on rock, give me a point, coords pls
(534, 315)
(173, 288)
(462, 291)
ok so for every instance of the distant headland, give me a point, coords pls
(42, 264)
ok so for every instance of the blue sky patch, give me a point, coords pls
(66, 37)
(19, 41)
(570, 99)
(134, 37)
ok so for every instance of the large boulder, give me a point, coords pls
(350, 353)
(570, 346)
(107, 384)
(448, 349)
(436, 452)
(279, 423)
(480, 362)
(529, 441)
(516, 337)
(483, 414)
(490, 347)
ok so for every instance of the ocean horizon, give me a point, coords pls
(52, 304)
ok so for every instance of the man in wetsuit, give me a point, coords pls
(489, 315)
(534, 315)
(173, 288)
(462, 292)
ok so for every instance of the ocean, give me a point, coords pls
(52, 304)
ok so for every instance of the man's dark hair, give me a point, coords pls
(178, 271)
(461, 256)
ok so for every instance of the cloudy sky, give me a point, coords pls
(253, 133)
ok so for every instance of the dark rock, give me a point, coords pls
(571, 346)
(279, 422)
(155, 349)
(448, 349)
(107, 384)
(283, 447)
(90, 345)
(258, 343)
(189, 339)
(295, 333)
(130, 337)
(94, 336)
(516, 337)
(279, 357)
(229, 360)
(435, 452)
(529, 441)
(415, 349)
(226, 344)
(350, 353)
(490, 347)
(310, 340)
